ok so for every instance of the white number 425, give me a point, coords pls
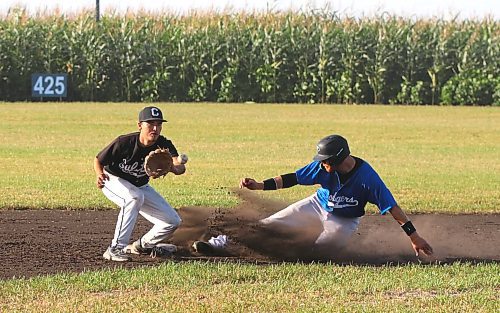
(47, 85)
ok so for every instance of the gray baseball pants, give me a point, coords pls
(145, 200)
(331, 232)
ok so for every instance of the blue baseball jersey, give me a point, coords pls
(349, 199)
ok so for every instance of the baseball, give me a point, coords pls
(182, 159)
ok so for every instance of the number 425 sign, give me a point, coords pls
(49, 85)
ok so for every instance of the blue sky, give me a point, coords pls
(417, 8)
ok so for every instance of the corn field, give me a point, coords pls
(259, 57)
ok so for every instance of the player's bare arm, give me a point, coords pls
(99, 171)
(251, 184)
(278, 182)
(418, 243)
(178, 169)
(179, 166)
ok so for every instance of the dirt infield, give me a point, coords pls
(42, 242)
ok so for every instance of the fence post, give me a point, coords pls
(97, 14)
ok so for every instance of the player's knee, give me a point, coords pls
(133, 203)
(171, 225)
(176, 222)
(137, 198)
(172, 221)
(265, 222)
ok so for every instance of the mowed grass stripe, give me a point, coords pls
(219, 287)
(434, 159)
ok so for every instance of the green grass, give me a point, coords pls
(434, 159)
(209, 287)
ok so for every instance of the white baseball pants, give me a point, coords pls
(334, 231)
(146, 201)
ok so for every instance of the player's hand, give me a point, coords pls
(419, 244)
(251, 184)
(101, 179)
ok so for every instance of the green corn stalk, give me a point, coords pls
(264, 57)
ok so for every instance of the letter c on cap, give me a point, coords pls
(155, 112)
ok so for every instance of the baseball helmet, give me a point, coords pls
(333, 147)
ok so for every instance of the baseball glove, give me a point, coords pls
(158, 163)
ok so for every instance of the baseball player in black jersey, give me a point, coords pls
(121, 176)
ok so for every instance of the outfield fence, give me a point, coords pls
(260, 57)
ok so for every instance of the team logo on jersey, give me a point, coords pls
(341, 202)
(134, 169)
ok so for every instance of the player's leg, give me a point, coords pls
(300, 215)
(159, 212)
(294, 228)
(336, 233)
(291, 232)
(130, 199)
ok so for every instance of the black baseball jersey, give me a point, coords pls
(124, 157)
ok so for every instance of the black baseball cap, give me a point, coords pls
(151, 114)
(333, 147)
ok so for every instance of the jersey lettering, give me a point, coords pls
(132, 169)
(341, 202)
